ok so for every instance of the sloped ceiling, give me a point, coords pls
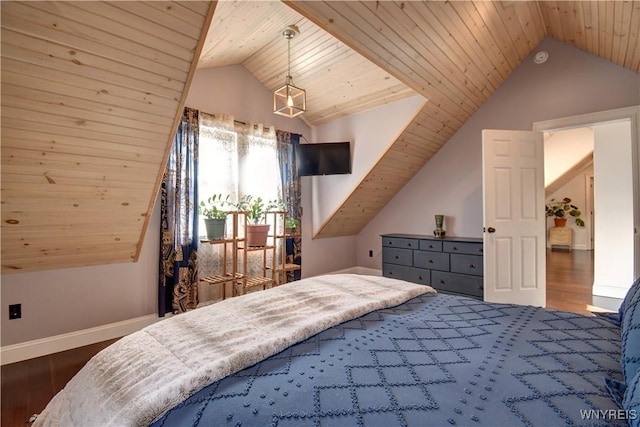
(456, 54)
(91, 92)
(91, 95)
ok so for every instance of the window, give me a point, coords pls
(237, 159)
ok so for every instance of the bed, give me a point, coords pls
(364, 351)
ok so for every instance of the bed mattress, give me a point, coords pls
(438, 360)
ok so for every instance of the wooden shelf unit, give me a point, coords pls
(274, 271)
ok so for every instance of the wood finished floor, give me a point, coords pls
(569, 280)
(28, 386)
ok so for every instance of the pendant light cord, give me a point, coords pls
(289, 58)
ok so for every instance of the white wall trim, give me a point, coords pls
(359, 270)
(609, 291)
(587, 119)
(41, 347)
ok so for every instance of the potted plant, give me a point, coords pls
(291, 225)
(215, 218)
(256, 211)
(560, 210)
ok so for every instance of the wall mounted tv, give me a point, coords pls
(329, 158)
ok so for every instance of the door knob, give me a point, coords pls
(491, 230)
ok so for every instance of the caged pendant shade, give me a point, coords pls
(289, 100)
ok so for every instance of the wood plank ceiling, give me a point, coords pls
(91, 95)
(456, 54)
(91, 92)
(339, 82)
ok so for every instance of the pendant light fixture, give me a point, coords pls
(289, 100)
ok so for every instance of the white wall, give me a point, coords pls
(613, 210)
(571, 82)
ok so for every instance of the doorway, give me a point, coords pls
(607, 290)
(568, 170)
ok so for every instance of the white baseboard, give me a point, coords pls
(41, 347)
(359, 270)
(609, 291)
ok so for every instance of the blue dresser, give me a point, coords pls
(449, 264)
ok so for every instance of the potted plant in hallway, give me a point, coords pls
(561, 210)
(256, 211)
(215, 217)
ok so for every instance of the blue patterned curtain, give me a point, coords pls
(292, 194)
(178, 286)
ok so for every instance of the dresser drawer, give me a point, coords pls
(431, 260)
(450, 264)
(458, 283)
(467, 264)
(430, 245)
(398, 242)
(397, 256)
(470, 248)
(410, 274)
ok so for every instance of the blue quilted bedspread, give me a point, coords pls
(433, 361)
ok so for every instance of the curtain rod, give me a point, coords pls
(244, 123)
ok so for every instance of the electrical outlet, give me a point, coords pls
(370, 253)
(15, 311)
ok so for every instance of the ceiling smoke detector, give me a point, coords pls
(541, 57)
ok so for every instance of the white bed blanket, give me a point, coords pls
(141, 376)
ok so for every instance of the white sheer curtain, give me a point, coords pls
(238, 159)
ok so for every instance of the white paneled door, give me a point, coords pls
(514, 217)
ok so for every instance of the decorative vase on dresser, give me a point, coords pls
(439, 231)
(448, 264)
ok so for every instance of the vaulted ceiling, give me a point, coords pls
(92, 91)
(351, 56)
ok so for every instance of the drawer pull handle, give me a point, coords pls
(409, 244)
(442, 281)
(430, 261)
(397, 257)
(481, 287)
(455, 248)
(390, 243)
(391, 273)
(419, 277)
(472, 266)
(480, 250)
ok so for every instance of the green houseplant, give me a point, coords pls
(215, 217)
(560, 210)
(256, 210)
(291, 225)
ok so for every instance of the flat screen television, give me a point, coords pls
(329, 158)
